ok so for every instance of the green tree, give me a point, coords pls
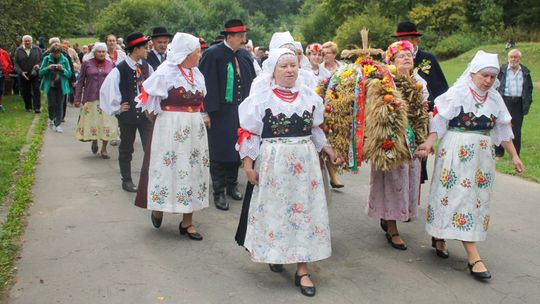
(443, 17)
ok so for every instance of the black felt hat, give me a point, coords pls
(134, 40)
(234, 26)
(160, 31)
(406, 28)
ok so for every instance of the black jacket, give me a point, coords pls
(26, 63)
(153, 60)
(526, 94)
(430, 70)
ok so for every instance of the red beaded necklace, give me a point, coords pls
(286, 96)
(479, 98)
(190, 78)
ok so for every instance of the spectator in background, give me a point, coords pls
(55, 72)
(6, 66)
(120, 42)
(330, 50)
(314, 54)
(160, 39)
(516, 89)
(41, 44)
(26, 61)
(79, 52)
(114, 53)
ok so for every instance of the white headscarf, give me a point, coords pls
(180, 47)
(279, 39)
(481, 60)
(266, 79)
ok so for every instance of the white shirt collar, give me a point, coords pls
(227, 45)
(132, 63)
(508, 68)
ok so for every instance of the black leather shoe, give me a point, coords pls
(308, 291)
(156, 221)
(235, 193)
(276, 267)
(129, 186)
(397, 246)
(194, 236)
(441, 253)
(384, 225)
(484, 275)
(221, 202)
(336, 186)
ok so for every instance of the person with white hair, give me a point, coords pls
(176, 175)
(93, 123)
(279, 141)
(461, 190)
(26, 61)
(249, 47)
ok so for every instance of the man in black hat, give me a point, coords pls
(160, 40)
(117, 96)
(228, 72)
(428, 68)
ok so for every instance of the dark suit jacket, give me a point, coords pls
(526, 94)
(153, 60)
(436, 82)
(25, 63)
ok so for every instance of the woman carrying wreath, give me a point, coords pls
(395, 185)
(469, 119)
(285, 217)
(175, 175)
(93, 124)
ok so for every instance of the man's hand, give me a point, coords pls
(25, 75)
(124, 107)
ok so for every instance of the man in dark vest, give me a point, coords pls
(117, 97)
(228, 72)
(160, 40)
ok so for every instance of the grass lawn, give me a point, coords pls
(14, 125)
(83, 40)
(530, 146)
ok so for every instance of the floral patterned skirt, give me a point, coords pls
(461, 187)
(94, 124)
(288, 215)
(178, 174)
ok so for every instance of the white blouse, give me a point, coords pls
(253, 109)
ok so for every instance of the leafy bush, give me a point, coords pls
(455, 45)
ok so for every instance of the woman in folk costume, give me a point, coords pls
(314, 54)
(93, 124)
(469, 119)
(394, 190)
(284, 217)
(175, 175)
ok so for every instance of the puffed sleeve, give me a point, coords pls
(110, 97)
(444, 110)
(319, 138)
(251, 126)
(155, 89)
(502, 131)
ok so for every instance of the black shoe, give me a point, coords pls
(194, 236)
(235, 193)
(397, 246)
(336, 186)
(276, 267)
(384, 225)
(37, 111)
(308, 291)
(156, 221)
(129, 186)
(94, 147)
(221, 201)
(484, 275)
(441, 253)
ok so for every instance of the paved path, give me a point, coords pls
(87, 243)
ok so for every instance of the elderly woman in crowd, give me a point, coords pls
(314, 54)
(469, 119)
(175, 177)
(330, 50)
(278, 143)
(394, 194)
(55, 73)
(93, 124)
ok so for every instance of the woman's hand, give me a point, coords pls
(252, 176)
(206, 120)
(335, 158)
(520, 168)
(424, 150)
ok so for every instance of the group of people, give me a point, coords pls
(203, 112)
